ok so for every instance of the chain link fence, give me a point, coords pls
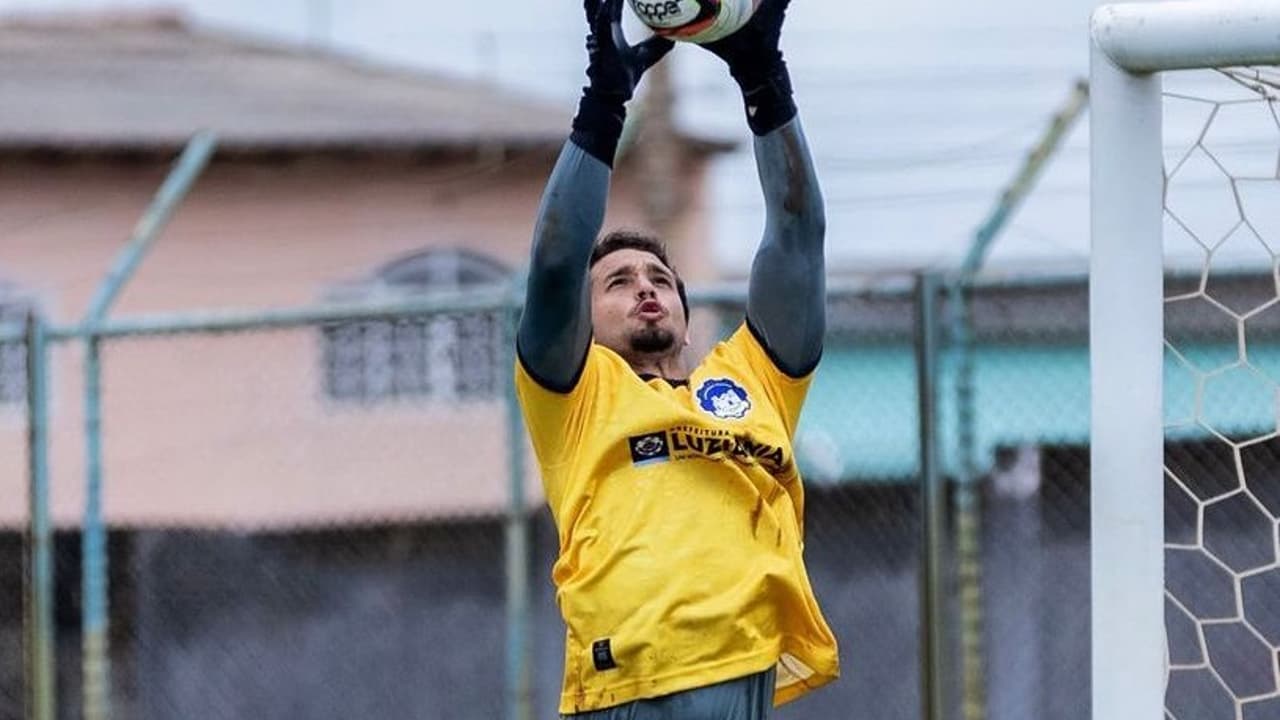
(309, 519)
(12, 580)
(13, 464)
(1023, 375)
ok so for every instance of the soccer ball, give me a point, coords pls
(698, 21)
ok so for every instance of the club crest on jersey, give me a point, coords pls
(723, 398)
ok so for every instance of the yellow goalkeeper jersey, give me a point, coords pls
(680, 518)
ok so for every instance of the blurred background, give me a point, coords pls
(259, 455)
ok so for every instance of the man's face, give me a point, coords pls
(635, 308)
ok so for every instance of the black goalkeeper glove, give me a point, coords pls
(755, 62)
(614, 68)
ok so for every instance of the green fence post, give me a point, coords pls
(96, 661)
(969, 521)
(41, 640)
(519, 700)
(932, 498)
(968, 512)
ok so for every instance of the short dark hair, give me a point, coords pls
(636, 240)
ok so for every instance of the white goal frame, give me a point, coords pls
(1131, 44)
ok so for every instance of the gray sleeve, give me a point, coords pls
(555, 327)
(786, 300)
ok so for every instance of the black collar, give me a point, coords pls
(673, 383)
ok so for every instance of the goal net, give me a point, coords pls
(1222, 383)
(1185, 360)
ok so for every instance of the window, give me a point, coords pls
(439, 357)
(13, 354)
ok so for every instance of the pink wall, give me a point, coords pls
(235, 429)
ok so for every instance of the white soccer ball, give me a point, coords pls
(698, 21)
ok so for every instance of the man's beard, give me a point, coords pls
(652, 340)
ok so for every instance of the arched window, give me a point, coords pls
(441, 357)
(443, 270)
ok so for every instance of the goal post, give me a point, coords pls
(1131, 44)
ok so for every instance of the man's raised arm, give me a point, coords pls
(786, 298)
(555, 329)
(786, 301)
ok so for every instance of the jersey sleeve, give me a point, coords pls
(558, 422)
(786, 393)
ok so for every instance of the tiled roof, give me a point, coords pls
(149, 83)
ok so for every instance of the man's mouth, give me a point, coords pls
(650, 309)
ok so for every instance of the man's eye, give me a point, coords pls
(616, 282)
(660, 280)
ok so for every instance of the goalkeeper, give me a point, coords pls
(675, 492)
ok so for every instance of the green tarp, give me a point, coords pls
(860, 422)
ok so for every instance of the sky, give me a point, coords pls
(919, 112)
